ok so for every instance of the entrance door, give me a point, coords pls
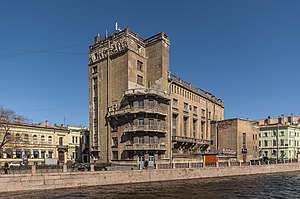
(151, 161)
(141, 160)
(61, 157)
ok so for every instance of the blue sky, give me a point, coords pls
(244, 52)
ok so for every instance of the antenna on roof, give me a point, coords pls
(118, 29)
(105, 33)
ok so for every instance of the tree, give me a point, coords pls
(7, 117)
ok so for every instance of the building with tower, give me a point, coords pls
(139, 111)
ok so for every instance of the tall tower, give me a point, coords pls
(129, 98)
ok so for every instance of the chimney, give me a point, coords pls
(18, 120)
(3, 118)
(46, 123)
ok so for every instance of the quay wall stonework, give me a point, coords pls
(26, 182)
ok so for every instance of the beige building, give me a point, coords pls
(78, 144)
(34, 143)
(236, 138)
(139, 111)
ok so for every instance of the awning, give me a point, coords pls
(43, 151)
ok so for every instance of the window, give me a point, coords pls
(140, 80)
(43, 139)
(175, 103)
(266, 153)
(281, 142)
(174, 123)
(141, 122)
(35, 139)
(151, 122)
(274, 143)
(50, 154)
(274, 152)
(114, 142)
(185, 122)
(43, 153)
(18, 137)
(9, 153)
(244, 140)
(150, 103)
(274, 133)
(18, 153)
(139, 65)
(73, 139)
(26, 138)
(50, 140)
(203, 113)
(265, 134)
(115, 155)
(35, 154)
(194, 128)
(141, 103)
(185, 107)
(202, 126)
(195, 110)
(281, 133)
(115, 125)
(265, 143)
(61, 142)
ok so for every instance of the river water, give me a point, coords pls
(282, 185)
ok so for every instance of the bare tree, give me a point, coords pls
(7, 117)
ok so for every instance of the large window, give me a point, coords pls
(141, 103)
(26, 138)
(174, 124)
(139, 65)
(50, 140)
(141, 122)
(61, 141)
(185, 107)
(43, 139)
(18, 137)
(35, 141)
(140, 80)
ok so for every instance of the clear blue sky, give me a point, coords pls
(245, 52)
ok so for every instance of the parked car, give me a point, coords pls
(16, 164)
(87, 167)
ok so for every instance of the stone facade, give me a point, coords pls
(34, 143)
(236, 138)
(134, 98)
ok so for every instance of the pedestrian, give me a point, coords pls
(6, 168)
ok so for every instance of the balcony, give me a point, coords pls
(133, 110)
(190, 140)
(148, 128)
(157, 147)
(148, 92)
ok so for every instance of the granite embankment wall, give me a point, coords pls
(25, 182)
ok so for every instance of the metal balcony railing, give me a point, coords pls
(190, 140)
(153, 110)
(153, 128)
(130, 146)
(147, 91)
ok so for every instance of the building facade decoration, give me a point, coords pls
(139, 111)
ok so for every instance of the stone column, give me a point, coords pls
(229, 163)
(65, 168)
(33, 169)
(92, 167)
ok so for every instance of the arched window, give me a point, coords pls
(18, 137)
(50, 140)
(34, 139)
(42, 139)
(26, 138)
(61, 141)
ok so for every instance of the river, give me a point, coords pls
(281, 185)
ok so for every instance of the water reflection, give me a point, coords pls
(258, 186)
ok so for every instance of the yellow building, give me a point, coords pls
(34, 143)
